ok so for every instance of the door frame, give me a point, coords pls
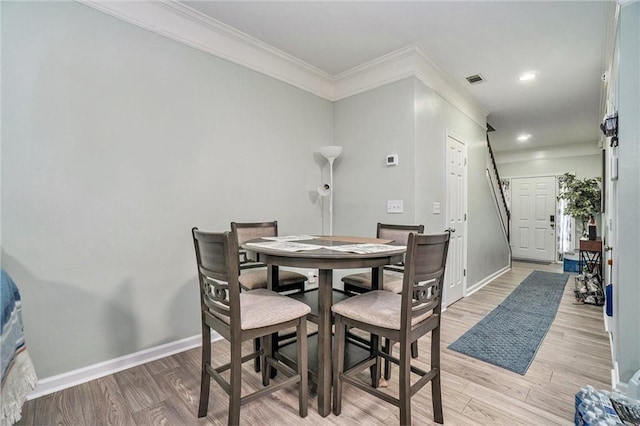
(452, 135)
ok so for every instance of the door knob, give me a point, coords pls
(452, 230)
(608, 248)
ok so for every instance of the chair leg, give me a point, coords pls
(273, 340)
(338, 364)
(303, 367)
(205, 380)
(388, 347)
(235, 381)
(376, 368)
(436, 388)
(414, 349)
(265, 342)
(256, 348)
(405, 383)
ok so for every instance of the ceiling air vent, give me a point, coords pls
(475, 79)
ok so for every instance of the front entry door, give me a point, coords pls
(456, 211)
(533, 208)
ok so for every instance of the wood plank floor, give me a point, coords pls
(574, 353)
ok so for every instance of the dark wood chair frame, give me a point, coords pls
(217, 262)
(388, 231)
(422, 292)
(245, 231)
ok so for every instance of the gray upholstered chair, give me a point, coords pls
(403, 318)
(239, 317)
(253, 274)
(392, 277)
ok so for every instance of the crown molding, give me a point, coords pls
(185, 25)
(408, 61)
(181, 23)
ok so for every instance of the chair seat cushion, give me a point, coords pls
(390, 282)
(257, 278)
(379, 308)
(262, 308)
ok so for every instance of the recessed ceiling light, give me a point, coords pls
(524, 137)
(531, 75)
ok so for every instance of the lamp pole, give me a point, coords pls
(331, 153)
(331, 195)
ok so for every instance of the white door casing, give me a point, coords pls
(533, 204)
(456, 215)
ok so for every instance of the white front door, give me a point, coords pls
(533, 209)
(456, 214)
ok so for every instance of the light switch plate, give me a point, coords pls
(395, 206)
(436, 207)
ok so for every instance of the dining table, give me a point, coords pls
(325, 253)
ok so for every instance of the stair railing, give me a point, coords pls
(501, 200)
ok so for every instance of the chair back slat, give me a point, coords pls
(250, 231)
(398, 233)
(424, 275)
(245, 231)
(217, 260)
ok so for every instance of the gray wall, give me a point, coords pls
(583, 166)
(115, 142)
(409, 119)
(370, 126)
(487, 250)
(627, 294)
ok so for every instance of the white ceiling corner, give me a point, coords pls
(193, 28)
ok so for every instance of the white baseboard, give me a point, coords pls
(486, 281)
(82, 375)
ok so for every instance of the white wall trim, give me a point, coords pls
(477, 286)
(181, 23)
(85, 374)
(561, 151)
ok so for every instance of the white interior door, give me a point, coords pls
(456, 213)
(533, 209)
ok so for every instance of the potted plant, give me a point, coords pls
(582, 197)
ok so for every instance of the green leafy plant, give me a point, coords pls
(582, 196)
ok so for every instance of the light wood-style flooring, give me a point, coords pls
(574, 353)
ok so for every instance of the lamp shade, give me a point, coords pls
(331, 152)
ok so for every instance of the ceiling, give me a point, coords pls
(567, 44)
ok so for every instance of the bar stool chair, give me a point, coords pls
(253, 274)
(243, 316)
(401, 318)
(392, 277)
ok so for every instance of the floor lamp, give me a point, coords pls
(330, 152)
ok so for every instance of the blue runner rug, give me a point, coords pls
(510, 335)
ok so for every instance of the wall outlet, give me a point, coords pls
(395, 206)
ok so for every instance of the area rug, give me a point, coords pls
(510, 335)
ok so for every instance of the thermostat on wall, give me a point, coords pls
(392, 160)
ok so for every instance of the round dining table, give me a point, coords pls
(330, 254)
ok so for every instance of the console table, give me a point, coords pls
(591, 256)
